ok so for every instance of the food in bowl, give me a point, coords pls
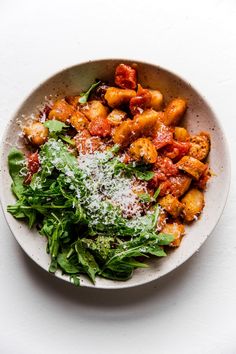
(110, 177)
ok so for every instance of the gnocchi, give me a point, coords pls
(94, 110)
(143, 149)
(193, 203)
(192, 166)
(199, 146)
(172, 205)
(175, 111)
(36, 133)
(61, 111)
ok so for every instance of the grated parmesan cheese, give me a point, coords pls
(105, 186)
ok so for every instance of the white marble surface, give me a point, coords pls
(190, 311)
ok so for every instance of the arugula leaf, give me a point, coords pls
(54, 154)
(165, 239)
(140, 171)
(145, 244)
(85, 95)
(16, 163)
(55, 126)
(21, 211)
(67, 140)
(144, 175)
(56, 130)
(86, 260)
(156, 194)
(145, 197)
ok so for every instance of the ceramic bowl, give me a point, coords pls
(199, 117)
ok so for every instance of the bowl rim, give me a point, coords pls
(124, 284)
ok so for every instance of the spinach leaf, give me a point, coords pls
(85, 95)
(17, 165)
(117, 273)
(67, 265)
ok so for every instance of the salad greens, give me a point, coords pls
(57, 129)
(85, 95)
(85, 233)
(55, 126)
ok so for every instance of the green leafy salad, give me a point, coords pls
(93, 208)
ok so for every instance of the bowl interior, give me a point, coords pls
(199, 117)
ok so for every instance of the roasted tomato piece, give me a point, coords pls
(33, 162)
(164, 168)
(100, 127)
(32, 165)
(163, 136)
(141, 101)
(126, 77)
(176, 150)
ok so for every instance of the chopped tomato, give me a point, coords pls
(163, 136)
(32, 165)
(176, 150)
(166, 166)
(126, 77)
(138, 103)
(100, 127)
(163, 169)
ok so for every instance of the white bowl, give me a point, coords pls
(199, 117)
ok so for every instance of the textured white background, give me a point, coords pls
(190, 311)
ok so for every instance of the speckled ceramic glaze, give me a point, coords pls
(199, 117)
